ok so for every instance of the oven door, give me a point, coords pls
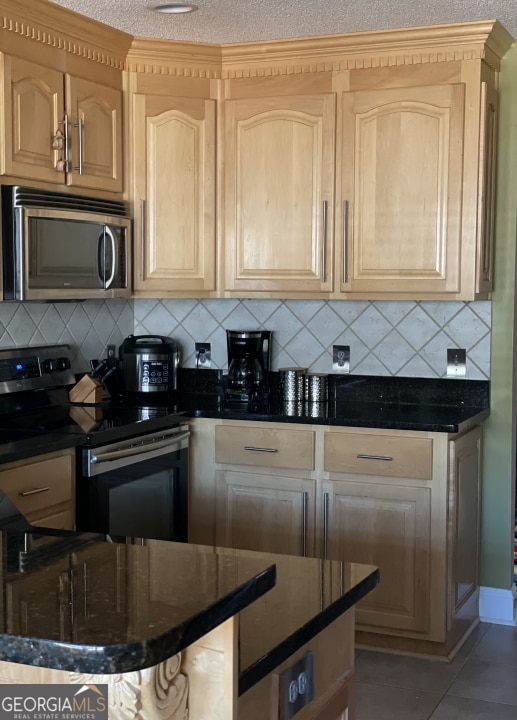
(136, 488)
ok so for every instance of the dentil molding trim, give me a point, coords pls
(73, 33)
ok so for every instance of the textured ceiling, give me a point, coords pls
(230, 21)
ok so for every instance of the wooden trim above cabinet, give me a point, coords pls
(483, 40)
(62, 29)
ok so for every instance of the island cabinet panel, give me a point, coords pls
(334, 681)
(174, 145)
(59, 128)
(43, 488)
(279, 193)
(402, 179)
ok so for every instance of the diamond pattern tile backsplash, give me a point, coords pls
(386, 338)
(87, 326)
(401, 338)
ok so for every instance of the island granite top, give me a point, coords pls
(95, 606)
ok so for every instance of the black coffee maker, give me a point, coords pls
(249, 360)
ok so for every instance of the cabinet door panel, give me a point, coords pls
(175, 176)
(402, 175)
(264, 512)
(33, 109)
(279, 193)
(387, 526)
(100, 110)
(464, 512)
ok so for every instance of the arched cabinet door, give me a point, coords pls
(95, 113)
(174, 190)
(32, 114)
(279, 189)
(401, 191)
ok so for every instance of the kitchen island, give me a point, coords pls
(179, 630)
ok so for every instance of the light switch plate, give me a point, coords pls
(456, 362)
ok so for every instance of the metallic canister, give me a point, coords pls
(316, 387)
(293, 384)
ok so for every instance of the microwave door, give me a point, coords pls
(63, 254)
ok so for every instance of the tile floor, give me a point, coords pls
(479, 684)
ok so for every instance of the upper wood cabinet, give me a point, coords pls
(59, 128)
(174, 145)
(279, 193)
(402, 188)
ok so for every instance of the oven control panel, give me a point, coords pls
(35, 367)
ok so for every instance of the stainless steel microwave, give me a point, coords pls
(59, 246)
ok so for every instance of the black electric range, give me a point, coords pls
(132, 457)
(34, 401)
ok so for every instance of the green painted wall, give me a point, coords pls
(497, 515)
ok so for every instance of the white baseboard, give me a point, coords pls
(497, 605)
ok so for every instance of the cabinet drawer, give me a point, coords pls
(386, 455)
(266, 447)
(38, 485)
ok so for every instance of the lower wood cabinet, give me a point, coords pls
(388, 526)
(43, 488)
(405, 501)
(269, 513)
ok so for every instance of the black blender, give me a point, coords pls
(249, 354)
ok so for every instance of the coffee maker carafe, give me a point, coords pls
(249, 353)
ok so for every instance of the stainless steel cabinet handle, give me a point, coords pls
(36, 491)
(345, 241)
(66, 142)
(80, 126)
(324, 242)
(374, 457)
(142, 239)
(305, 503)
(325, 524)
(260, 449)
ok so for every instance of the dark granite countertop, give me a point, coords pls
(428, 418)
(143, 603)
(428, 405)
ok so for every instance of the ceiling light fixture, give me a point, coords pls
(176, 8)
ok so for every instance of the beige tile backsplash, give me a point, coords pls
(385, 338)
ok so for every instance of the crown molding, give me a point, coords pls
(486, 40)
(170, 57)
(65, 30)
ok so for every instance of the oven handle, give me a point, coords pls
(143, 449)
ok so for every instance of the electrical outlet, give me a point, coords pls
(341, 358)
(456, 362)
(296, 687)
(110, 351)
(203, 355)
